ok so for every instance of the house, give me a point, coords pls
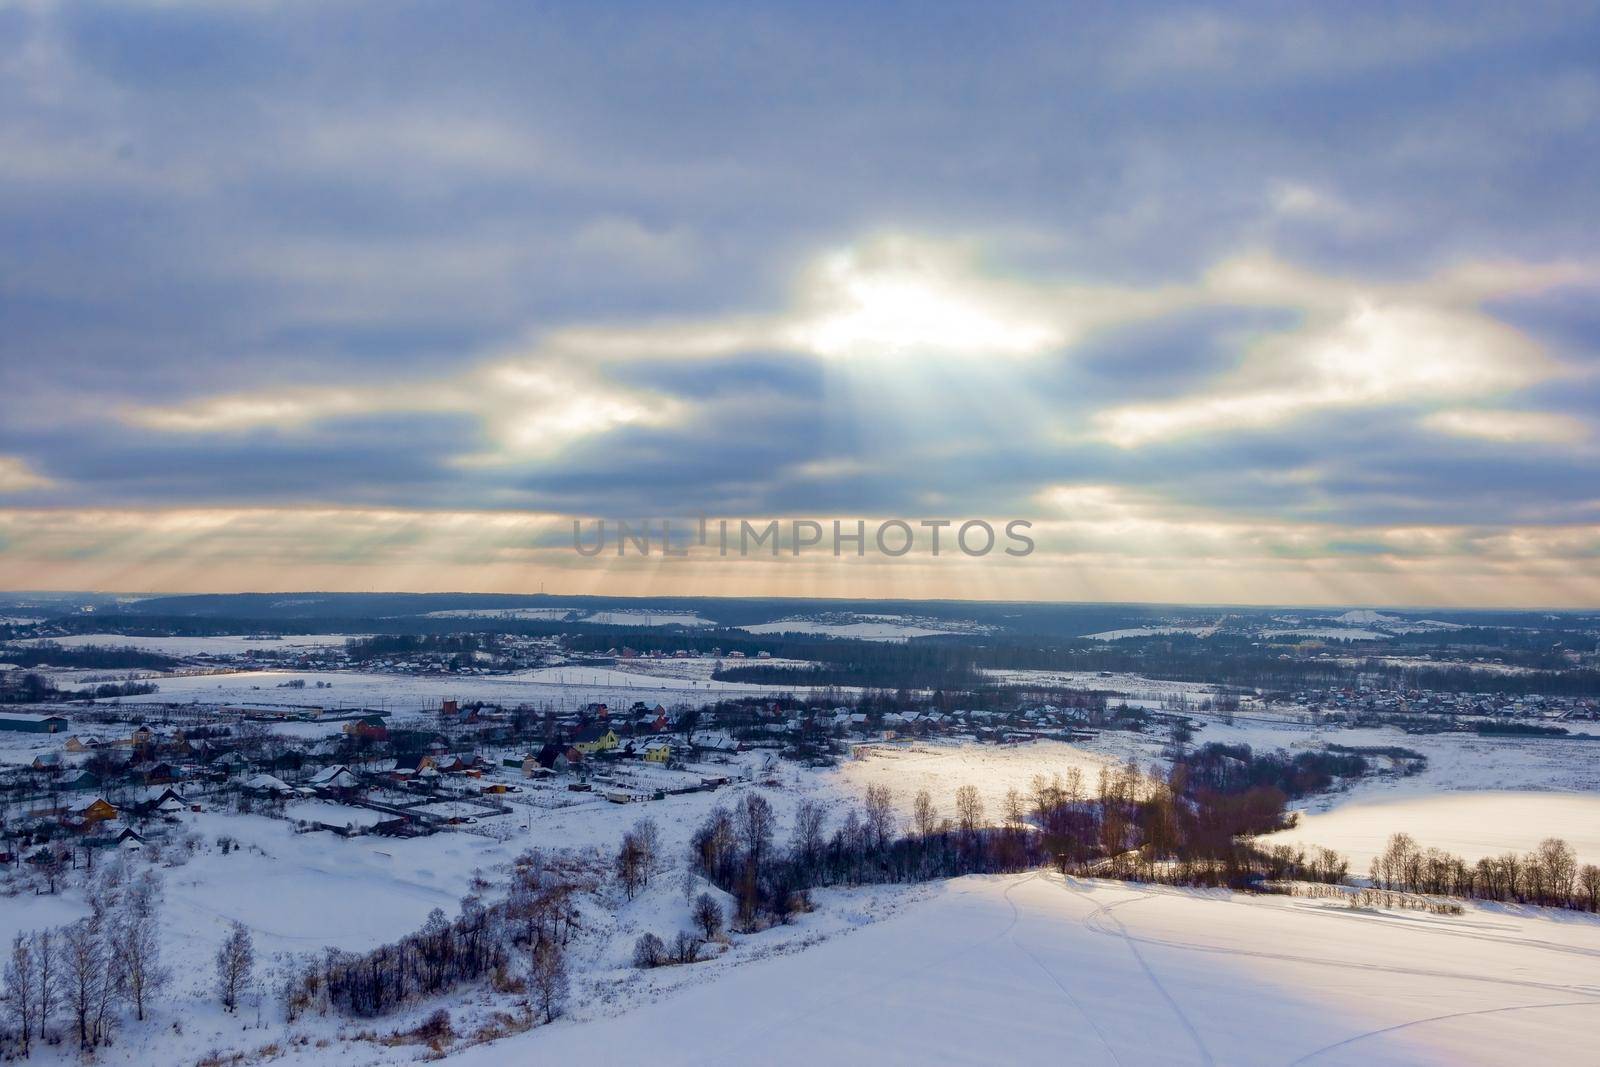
(48, 761)
(595, 739)
(714, 741)
(161, 802)
(79, 779)
(367, 728)
(90, 811)
(658, 751)
(151, 772)
(267, 785)
(33, 724)
(337, 778)
(459, 765)
(532, 768)
(143, 734)
(85, 743)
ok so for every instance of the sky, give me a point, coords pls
(1235, 304)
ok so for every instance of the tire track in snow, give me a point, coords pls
(1437, 1018)
(1094, 922)
(1412, 972)
(729, 1050)
(1016, 916)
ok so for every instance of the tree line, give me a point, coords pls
(1549, 876)
(1191, 826)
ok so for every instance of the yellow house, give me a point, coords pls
(658, 752)
(596, 740)
(92, 811)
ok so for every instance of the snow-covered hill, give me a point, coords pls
(1036, 968)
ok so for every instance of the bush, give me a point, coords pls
(649, 951)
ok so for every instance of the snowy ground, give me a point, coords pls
(1034, 968)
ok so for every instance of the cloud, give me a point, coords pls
(17, 477)
(629, 245)
(1361, 345)
(1510, 427)
(532, 408)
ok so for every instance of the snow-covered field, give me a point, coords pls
(1035, 968)
(1336, 633)
(941, 769)
(863, 627)
(622, 617)
(1469, 824)
(298, 892)
(1456, 762)
(559, 687)
(645, 618)
(1152, 631)
(1135, 686)
(200, 646)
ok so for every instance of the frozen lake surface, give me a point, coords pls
(1470, 824)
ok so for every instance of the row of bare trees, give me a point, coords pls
(1549, 875)
(1190, 826)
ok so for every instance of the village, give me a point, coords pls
(103, 776)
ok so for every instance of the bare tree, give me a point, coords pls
(1589, 880)
(648, 839)
(708, 915)
(649, 951)
(235, 961)
(1016, 814)
(755, 821)
(45, 975)
(969, 808)
(547, 978)
(630, 864)
(880, 815)
(85, 967)
(1560, 865)
(137, 944)
(17, 990)
(806, 841)
(924, 815)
